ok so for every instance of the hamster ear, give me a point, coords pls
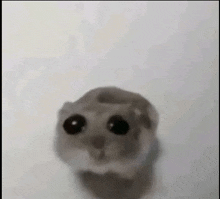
(153, 116)
(147, 114)
(65, 107)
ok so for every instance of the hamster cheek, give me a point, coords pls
(146, 139)
(78, 159)
(113, 151)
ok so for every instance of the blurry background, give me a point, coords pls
(57, 51)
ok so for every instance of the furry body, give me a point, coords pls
(122, 156)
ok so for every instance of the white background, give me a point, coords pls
(57, 51)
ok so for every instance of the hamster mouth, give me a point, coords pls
(99, 157)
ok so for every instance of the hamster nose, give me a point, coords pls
(98, 142)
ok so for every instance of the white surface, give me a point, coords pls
(56, 51)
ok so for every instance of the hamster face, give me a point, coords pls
(96, 135)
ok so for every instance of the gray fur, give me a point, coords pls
(109, 152)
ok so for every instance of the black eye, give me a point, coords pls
(118, 125)
(74, 124)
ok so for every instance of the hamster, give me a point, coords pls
(107, 130)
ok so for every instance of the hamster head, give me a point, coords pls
(107, 130)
